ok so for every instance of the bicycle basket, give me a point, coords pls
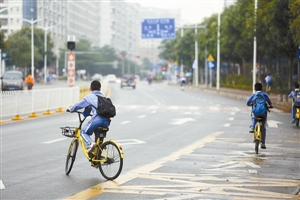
(68, 131)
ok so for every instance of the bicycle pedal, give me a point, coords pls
(91, 155)
(96, 165)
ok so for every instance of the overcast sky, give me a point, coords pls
(192, 11)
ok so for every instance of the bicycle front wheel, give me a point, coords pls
(71, 156)
(297, 122)
(112, 167)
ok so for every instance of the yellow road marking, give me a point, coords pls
(100, 188)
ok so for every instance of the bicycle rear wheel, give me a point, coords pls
(71, 156)
(297, 122)
(256, 146)
(112, 167)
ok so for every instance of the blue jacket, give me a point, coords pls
(293, 93)
(250, 100)
(90, 101)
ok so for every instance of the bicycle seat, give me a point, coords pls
(101, 129)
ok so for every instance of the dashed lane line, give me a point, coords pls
(125, 122)
(1, 185)
(53, 141)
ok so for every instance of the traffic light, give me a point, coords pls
(163, 68)
(136, 56)
(71, 42)
(71, 45)
(121, 56)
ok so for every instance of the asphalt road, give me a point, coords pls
(177, 145)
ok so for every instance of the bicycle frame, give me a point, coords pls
(98, 142)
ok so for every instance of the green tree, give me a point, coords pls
(19, 48)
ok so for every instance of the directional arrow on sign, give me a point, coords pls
(273, 124)
(182, 121)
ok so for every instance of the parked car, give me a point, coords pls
(128, 81)
(12, 80)
(111, 78)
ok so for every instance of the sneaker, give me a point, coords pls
(263, 146)
(293, 121)
(251, 130)
(91, 147)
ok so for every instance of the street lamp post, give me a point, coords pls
(0, 49)
(196, 51)
(32, 42)
(254, 48)
(45, 53)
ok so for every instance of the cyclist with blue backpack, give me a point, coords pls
(296, 103)
(259, 101)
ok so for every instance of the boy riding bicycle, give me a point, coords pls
(293, 95)
(254, 100)
(90, 103)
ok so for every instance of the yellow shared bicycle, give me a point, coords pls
(257, 131)
(107, 156)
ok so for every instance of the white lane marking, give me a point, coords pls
(251, 164)
(1, 185)
(215, 108)
(133, 107)
(125, 122)
(182, 121)
(53, 141)
(232, 113)
(273, 124)
(129, 141)
(231, 118)
(252, 171)
(226, 125)
(154, 111)
(153, 107)
(235, 109)
(73, 120)
(173, 107)
(193, 108)
(142, 116)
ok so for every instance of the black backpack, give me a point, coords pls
(105, 107)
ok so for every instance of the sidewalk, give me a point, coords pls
(278, 101)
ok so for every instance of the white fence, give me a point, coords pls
(15, 104)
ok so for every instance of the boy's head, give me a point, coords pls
(296, 85)
(95, 85)
(258, 86)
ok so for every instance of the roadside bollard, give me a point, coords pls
(284, 98)
(280, 97)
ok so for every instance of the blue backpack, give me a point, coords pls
(297, 99)
(259, 104)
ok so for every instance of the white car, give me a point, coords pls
(111, 78)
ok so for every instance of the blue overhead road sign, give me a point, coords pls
(158, 28)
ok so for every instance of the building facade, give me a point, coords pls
(114, 23)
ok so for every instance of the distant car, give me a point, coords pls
(97, 77)
(128, 81)
(12, 80)
(111, 78)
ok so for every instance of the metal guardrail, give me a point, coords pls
(15, 105)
